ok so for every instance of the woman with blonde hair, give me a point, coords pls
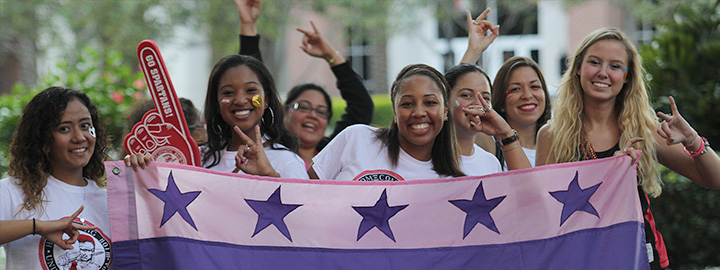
(602, 103)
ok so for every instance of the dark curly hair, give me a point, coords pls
(30, 160)
(220, 132)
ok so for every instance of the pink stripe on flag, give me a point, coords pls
(326, 217)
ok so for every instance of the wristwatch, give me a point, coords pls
(510, 139)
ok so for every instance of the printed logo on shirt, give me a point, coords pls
(90, 251)
(378, 175)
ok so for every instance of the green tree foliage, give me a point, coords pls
(683, 61)
(29, 28)
(113, 88)
(382, 115)
(687, 216)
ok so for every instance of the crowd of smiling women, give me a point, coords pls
(444, 125)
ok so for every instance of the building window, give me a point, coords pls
(535, 55)
(359, 52)
(507, 55)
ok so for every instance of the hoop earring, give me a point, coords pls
(272, 117)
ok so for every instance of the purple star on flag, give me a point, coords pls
(575, 199)
(378, 216)
(478, 210)
(272, 211)
(175, 202)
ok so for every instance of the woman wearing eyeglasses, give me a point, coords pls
(308, 105)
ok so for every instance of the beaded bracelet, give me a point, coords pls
(704, 144)
(332, 60)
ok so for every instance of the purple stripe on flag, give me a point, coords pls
(620, 246)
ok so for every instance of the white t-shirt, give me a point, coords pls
(285, 162)
(479, 163)
(356, 154)
(530, 153)
(59, 200)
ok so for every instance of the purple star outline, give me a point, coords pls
(377, 216)
(175, 202)
(478, 210)
(272, 211)
(575, 199)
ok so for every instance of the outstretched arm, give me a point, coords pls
(691, 162)
(249, 12)
(359, 109)
(53, 230)
(478, 41)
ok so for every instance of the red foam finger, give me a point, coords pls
(163, 131)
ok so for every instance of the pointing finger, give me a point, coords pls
(77, 213)
(469, 19)
(243, 137)
(482, 15)
(313, 26)
(673, 106)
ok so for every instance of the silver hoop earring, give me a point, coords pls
(272, 117)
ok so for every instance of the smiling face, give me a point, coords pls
(73, 142)
(602, 74)
(464, 94)
(303, 118)
(525, 97)
(236, 90)
(419, 113)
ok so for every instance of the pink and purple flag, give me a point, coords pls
(582, 215)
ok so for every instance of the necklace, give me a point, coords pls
(586, 149)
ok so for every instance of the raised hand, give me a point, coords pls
(486, 120)
(53, 230)
(674, 129)
(316, 45)
(163, 131)
(249, 12)
(251, 157)
(478, 41)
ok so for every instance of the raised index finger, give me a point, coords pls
(77, 213)
(313, 26)
(306, 32)
(673, 106)
(245, 138)
(482, 15)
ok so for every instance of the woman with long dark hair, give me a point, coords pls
(418, 144)
(244, 118)
(56, 168)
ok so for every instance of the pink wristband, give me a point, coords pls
(699, 151)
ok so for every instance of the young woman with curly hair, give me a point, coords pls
(56, 168)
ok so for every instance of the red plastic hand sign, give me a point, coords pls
(163, 131)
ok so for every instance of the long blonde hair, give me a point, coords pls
(635, 115)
